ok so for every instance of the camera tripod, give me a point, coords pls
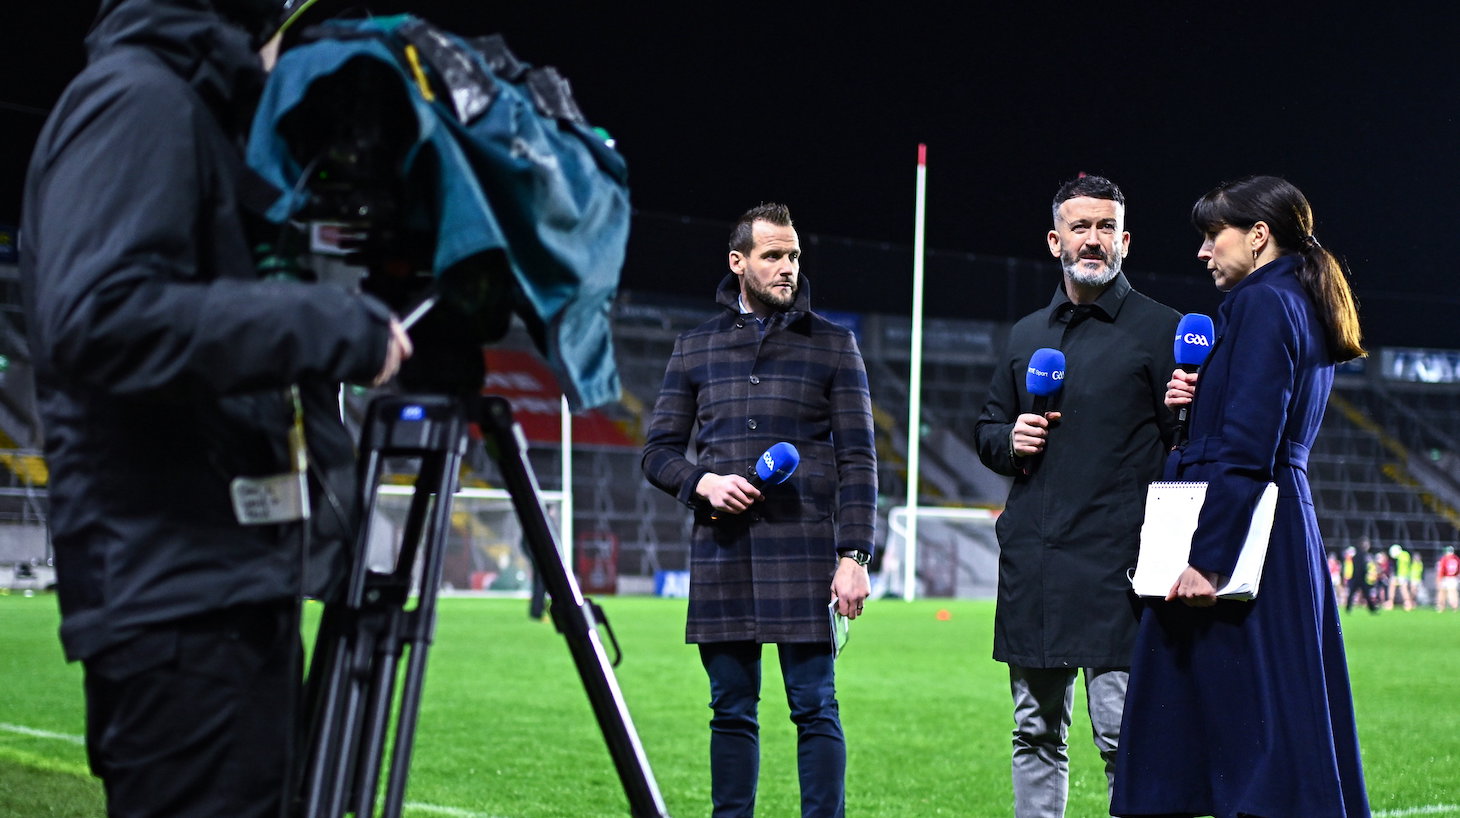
(351, 688)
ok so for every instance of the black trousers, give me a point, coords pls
(197, 718)
(1363, 590)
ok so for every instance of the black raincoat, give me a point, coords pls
(1071, 529)
(162, 361)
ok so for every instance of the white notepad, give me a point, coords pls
(1171, 512)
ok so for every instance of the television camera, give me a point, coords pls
(469, 186)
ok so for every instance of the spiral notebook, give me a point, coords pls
(1171, 512)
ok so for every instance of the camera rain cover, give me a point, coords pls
(488, 154)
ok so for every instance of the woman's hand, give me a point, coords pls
(1195, 588)
(1181, 389)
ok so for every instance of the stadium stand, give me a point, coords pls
(1383, 466)
(24, 550)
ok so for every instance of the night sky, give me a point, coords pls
(720, 106)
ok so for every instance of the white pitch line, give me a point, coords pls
(452, 812)
(1431, 809)
(34, 733)
(434, 809)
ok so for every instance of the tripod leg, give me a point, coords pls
(362, 636)
(421, 628)
(332, 689)
(362, 648)
(571, 613)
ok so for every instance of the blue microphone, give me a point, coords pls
(1046, 376)
(1194, 337)
(772, 468)
(776, 465)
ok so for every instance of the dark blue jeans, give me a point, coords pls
(809, 671)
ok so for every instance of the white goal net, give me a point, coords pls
(485, 552)
(956, 554)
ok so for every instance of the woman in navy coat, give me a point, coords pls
(1244, 708)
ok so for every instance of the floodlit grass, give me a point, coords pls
(506, 730)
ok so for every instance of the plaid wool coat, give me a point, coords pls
(765, 575)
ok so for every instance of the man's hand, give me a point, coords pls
(851, 586)
(1195, 588)
(396, 352)
(269, 53)
(1180, 390)
(727, 493)
(1030, 433)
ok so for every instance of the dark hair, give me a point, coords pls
(1289, 218)
(742, 237)
(1095, 187)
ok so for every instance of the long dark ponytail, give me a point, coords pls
(1289, 217)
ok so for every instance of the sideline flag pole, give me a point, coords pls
(565, 509)
(915, 383)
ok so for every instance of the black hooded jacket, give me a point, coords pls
(162, 361)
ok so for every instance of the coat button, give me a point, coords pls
(740, 323)
(750, 424)
(755, 379)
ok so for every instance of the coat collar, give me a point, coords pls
(1106, 306)
(1279, 267)
(728, 296)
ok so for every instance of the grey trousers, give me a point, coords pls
(1043, 699)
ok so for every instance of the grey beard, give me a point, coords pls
(1074, 273)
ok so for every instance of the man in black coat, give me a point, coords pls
(169, 377)
(1071, 528)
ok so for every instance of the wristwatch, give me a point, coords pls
(857, 555)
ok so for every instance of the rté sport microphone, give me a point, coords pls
(1046, 376)
(1194, 337)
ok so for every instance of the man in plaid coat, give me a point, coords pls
(766, 562)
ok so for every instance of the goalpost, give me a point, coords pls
(959, 556)
(484, 553)
(940, 552)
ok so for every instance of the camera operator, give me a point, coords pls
(164, 366)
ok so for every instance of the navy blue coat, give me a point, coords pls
(160, 359)
(1245, 707)
(765, 575)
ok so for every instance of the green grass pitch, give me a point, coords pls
(506, 731)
